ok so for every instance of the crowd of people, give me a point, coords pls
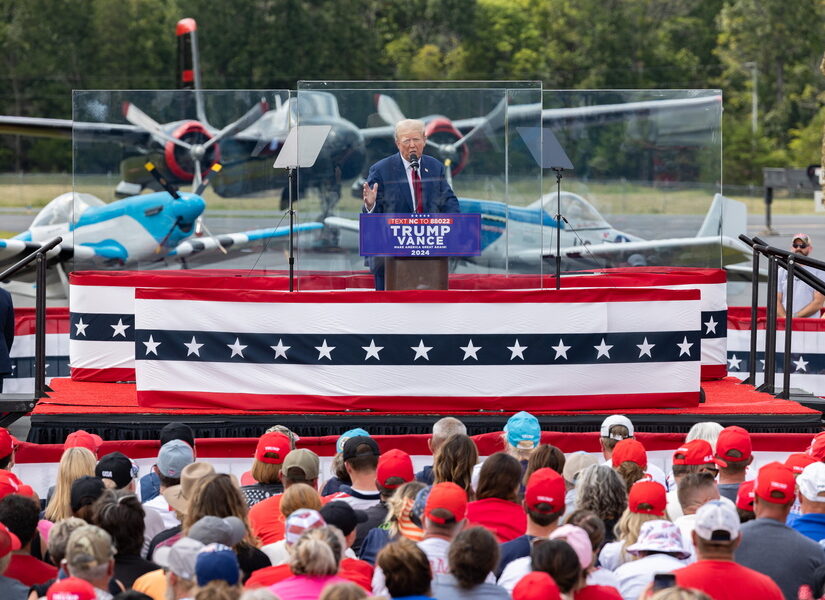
(528, 523)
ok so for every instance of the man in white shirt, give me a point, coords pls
(806, 300)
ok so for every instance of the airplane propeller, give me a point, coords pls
(196, 151)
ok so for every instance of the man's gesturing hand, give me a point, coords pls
(370, 193)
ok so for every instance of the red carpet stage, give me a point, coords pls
(111, 410)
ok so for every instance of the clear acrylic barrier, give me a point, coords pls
(468, 130)
(117, 219)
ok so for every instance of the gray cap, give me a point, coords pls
(174, 455)
(213, 530)
(180, 558)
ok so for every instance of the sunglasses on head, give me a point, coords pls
(800, 246)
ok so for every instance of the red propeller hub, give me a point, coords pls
(442, 131)
(179, 159)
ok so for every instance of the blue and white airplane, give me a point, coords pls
(140, 229)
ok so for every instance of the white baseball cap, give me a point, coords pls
(613, 420)
(717, 520)
(811, 482)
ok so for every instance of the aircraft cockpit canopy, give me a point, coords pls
(578, 211)
(66, 208)
(313, 105)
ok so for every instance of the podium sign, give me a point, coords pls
(442, 234)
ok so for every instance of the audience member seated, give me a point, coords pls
(173, 457)
(705, 430)
(645, 502)
(629, 459)
(544, 456)
(473, 554)
(339, 471)
(178, 497)
(398, 522)
(456, 461)
(176, 580)
(744, 502)
(544, 505)
(394, 470)
(716, 536)
(71, 588)
(409, 572)
(573, 465)
(360, 456)
(314, 562)
(74, 464)
(90, 555)
(217, 573)
(613, 430)
(270, 453)
(537, 585)
(600, 489)
(265, 518)
(83, 439)
(690, 457)
(58, 538)
(797, 462)
(810, 487)
(594, 527)
(658, 549)
(121, 515)
(296, 497)
(344, 517)
(150, 483)
(442, 430)
(10, 587)
(521, 437)
(771, 547)
(496, 506)
(695, 489)
(20, 514)
(735, 453)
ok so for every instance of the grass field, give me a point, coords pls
(30, 192)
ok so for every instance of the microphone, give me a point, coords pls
(414, 160)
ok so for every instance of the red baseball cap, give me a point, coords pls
(9, 484)
(744, 496)
(798, 461)
(8, 541)
(71, 588)
(447, 496)
(537, 585)
(394, 463)
(696, 452)
(775, 483)
(734, 438)
(650, 493)
(272, 448)
(83, 439)
(817, 447)
(7, 442)
(630, 449)
(545, 486)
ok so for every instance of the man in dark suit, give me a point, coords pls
(407, 182)
(7, 326)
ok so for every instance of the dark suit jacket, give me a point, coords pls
(7, 331)
(394, 190)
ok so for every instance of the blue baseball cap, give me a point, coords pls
(216, 561)
(523, 431)
(342, 439)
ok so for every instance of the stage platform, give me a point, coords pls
(111, 410)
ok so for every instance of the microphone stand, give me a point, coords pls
(559, 220)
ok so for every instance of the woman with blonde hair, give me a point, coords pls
(219, 495)
(74, 463)
(397, 524)
(296, 496)
(454, 461)
(646, 502)
(315, 560)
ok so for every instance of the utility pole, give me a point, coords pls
(754, 95)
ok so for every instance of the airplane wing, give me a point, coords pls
(232, 241)
(688, 251)
(66, 129)
(14, 250)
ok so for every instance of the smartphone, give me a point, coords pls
(662, 581)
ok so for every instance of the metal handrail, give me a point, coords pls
(38, 255)
(777, 258)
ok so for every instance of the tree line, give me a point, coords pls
(50, 47)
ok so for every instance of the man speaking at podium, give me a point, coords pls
(407, 182)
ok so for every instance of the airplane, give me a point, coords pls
(155, 227)
(519, 238)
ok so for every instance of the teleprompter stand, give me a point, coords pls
(300, 149)
(548, 154)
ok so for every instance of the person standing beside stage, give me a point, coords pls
(407, 182)
(7, 339)
(806, 300)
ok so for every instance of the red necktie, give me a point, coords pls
(419, 196)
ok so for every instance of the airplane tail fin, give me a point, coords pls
(189, 68)
(726, 217)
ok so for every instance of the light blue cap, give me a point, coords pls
(339, 445)
(523, 431)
